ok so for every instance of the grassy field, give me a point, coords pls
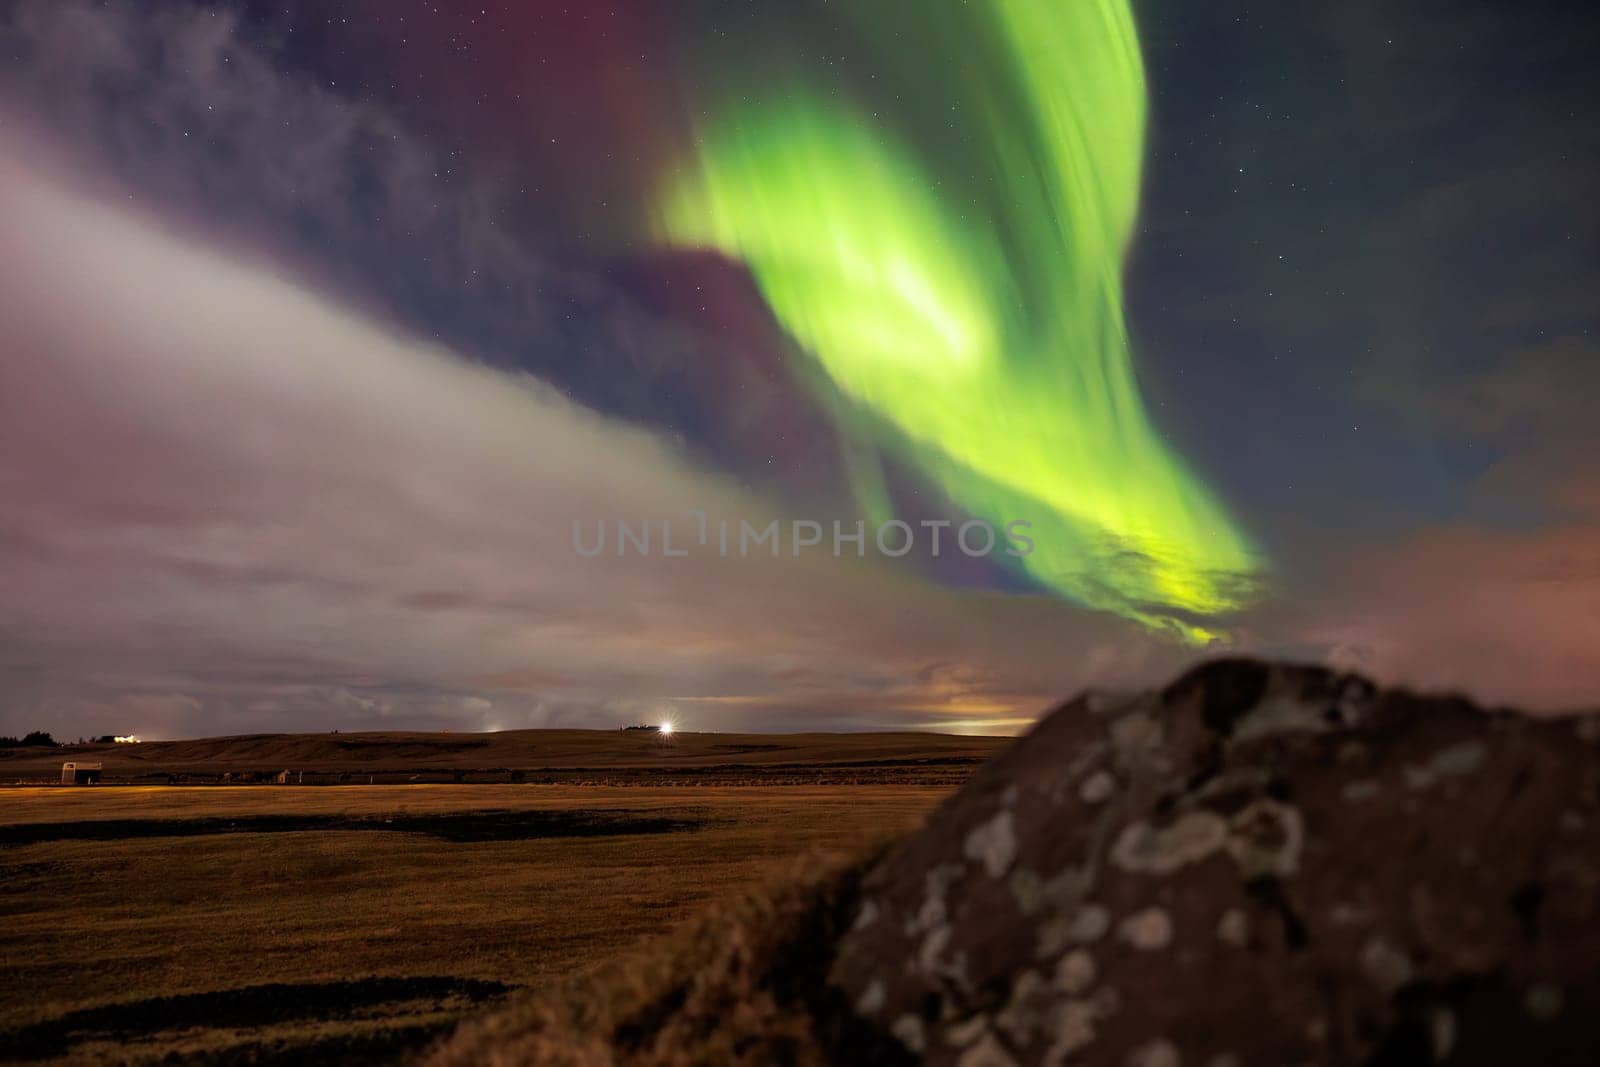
(254, 923)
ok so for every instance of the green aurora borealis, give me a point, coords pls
(957, 277)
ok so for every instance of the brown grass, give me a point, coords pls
(311, 919)
(743, 985)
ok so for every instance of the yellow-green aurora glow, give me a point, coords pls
(962, 290)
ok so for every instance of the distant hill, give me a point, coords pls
(557, 755)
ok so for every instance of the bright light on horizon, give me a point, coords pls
(666, 726)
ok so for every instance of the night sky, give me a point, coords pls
(324, 321)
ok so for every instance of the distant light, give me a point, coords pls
(127, 739)
(666, 727)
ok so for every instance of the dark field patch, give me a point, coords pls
(395, 1044)
(357, 744)
(471, 826)
(253, 1007)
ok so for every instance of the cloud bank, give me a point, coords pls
(231, 503)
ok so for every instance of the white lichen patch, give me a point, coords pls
(1075, 973)
(1265, 838)
(1419, 778)
(1280, 715)
(965, 1032)
(1453, 761)
(909, 1030)
(1144, 848)
(1024, 1013)
(1344, 913)
(1089, 924)
(933, 911)
(994, 844)
(933, 946)
(1442, 1034)
(1287, 709)
(1359, 790)
(987, 1052)
(1149, 930)
(1385, 966)
(1072, 1026)
(1233, 929)
(1086, 925)
(1461, 759)
(1027, 889)
(1106, 1002)
(1051, 937)
(1034, 893)
(1544, 1001)
(1098, 787)
(871, 1002)
(1157, 1053)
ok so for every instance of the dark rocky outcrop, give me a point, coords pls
(1259, 864)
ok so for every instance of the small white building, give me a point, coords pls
(76, 773)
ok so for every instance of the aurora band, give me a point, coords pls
(956, 277)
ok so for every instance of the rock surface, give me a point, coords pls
(1257, 865)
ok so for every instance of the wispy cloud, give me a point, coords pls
(225, 494)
